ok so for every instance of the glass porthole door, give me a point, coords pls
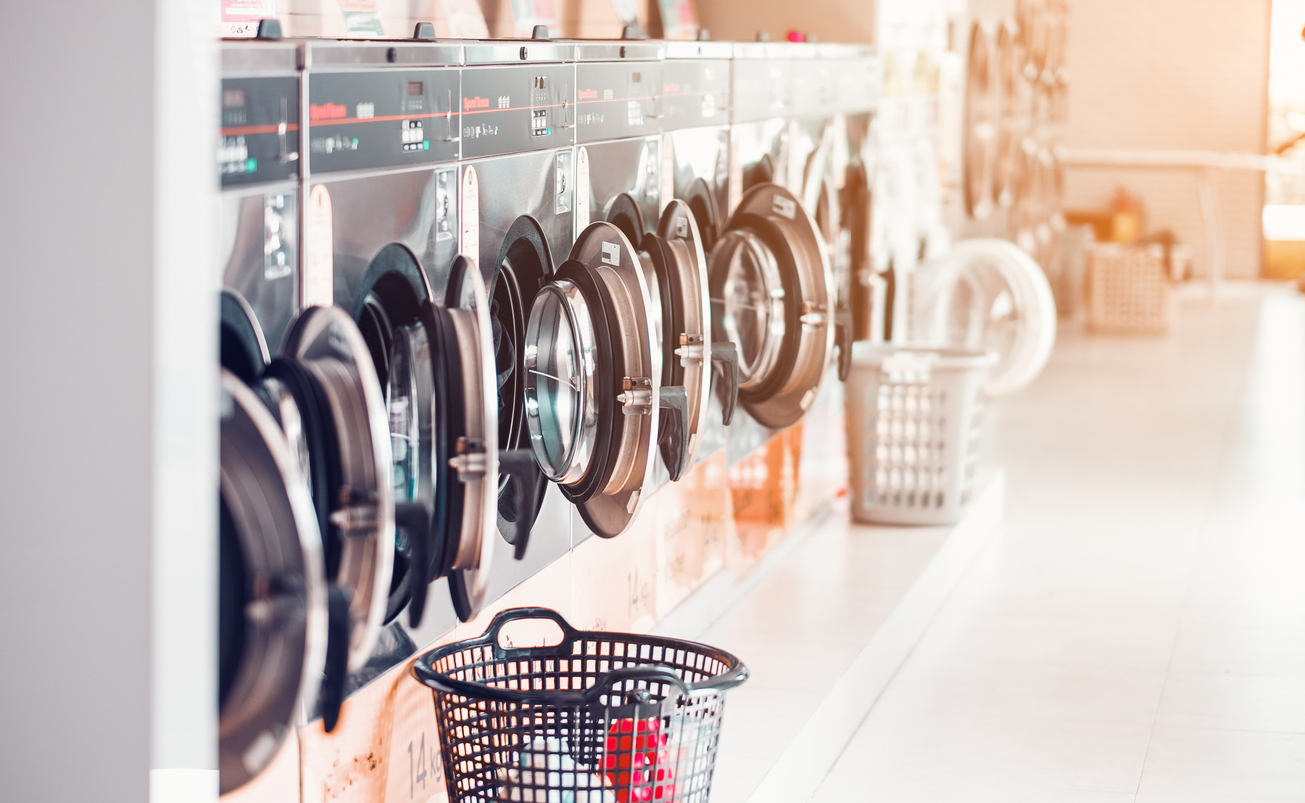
(593, 380)
(771, 291)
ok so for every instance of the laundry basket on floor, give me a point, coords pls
(597, 718)
(913, 422)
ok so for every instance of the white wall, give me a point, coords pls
(107, 402)
(1172, 74)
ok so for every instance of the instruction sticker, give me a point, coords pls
(318, 283)
(469, 244)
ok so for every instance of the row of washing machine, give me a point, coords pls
(482, 298)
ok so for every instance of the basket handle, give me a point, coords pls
(490, 636)
(657, 673)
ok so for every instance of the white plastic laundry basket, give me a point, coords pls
(914, 418)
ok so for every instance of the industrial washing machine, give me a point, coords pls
(771, 283)
(624, 176)
(301, 561)
(695, 154)
(516, 189)
(381, 196)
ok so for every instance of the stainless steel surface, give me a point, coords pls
(258, 230)
(320, 53)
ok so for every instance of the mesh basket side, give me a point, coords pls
(640, 741)
(913, 443)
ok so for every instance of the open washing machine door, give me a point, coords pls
(593, 382)
(822, 199)
(325, 378)
(435, 363)
(989, 294)
(1011, 114)
(772, 296)
(272, 597)
(323, 394)
(674, 267)
(523, 267)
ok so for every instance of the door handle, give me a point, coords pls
(415, 517)
(674, 433)
(843, 342)
(336, 671)
(725, 359)
(518, 465)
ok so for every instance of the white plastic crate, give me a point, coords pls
(914, 416)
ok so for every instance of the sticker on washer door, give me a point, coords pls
(666, 190)
(469, 244)
(611, 253)
(785, 206)
(318, 282)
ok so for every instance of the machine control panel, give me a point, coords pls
(814, 87)
(762, 89)
(517, 109)
(695, 93)
(617, 100)
(382, 118)
(259, 138)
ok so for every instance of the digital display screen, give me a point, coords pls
(416, 89)
(233, 98)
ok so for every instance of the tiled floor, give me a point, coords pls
(1136, 629)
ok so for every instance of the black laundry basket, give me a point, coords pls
(598, 718)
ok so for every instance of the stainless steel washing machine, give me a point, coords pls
(516, 188)
(624, 177)
(381, 195)
(770, 278)
(696, 145)
(278, 604)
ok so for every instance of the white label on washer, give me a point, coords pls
(582, 191)
(469, 243)
(611, 253)
(785, 206)
(667, 189)
(317, 287)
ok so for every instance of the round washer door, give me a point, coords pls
(674, 269)
(390, 308)
(989, 294)
(593, 379)
(772, 296)
(272, 592)
(469, 444)
(335, 385)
